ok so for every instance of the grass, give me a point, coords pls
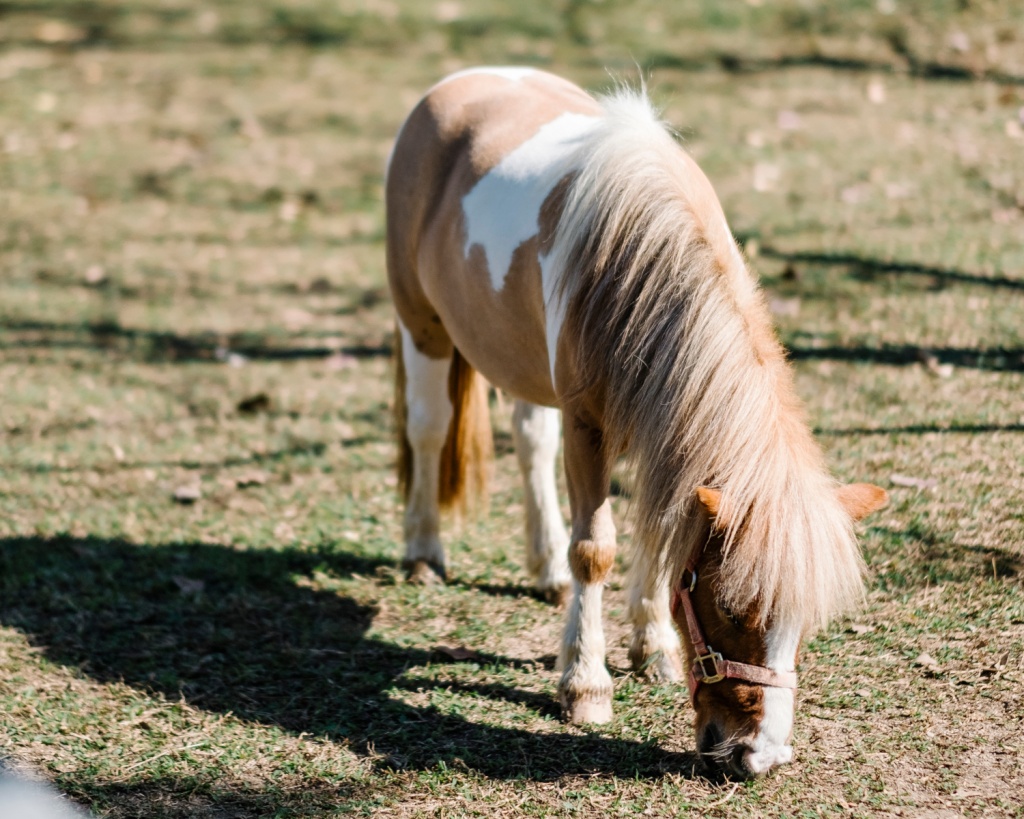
(193, 296)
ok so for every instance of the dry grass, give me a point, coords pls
(193, 296)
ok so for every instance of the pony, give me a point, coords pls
(566, 249)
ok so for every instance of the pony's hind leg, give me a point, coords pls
(654, 649)
(427, 414)
(536, 431)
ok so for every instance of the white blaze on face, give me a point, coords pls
(771, 745)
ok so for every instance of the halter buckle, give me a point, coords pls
(693, 579)
(714, 658)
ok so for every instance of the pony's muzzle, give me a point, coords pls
(738, 759)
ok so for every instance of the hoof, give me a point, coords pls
(588, 711)
(424, 573)
(658, 667)
(558, 596)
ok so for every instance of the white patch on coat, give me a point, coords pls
(554, 308)
(771, 745)
(503, 209)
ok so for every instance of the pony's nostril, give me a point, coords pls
(710, 739)
(739, 762)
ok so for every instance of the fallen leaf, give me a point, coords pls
(766, 176)
(932, 364)
(284, 531)
(95, 275)
(959, 41)
(789, 121)
(897, 479)
(926, 661)
(289, 210)
(853, 194)
(340, 361)
(876, 91)
(295, 318)
(256, 477)
(254, 404)
(785, 307)
(187, 494)
(860, 628)
(458, 654)
(187, 585)
(862, 692)
(320, 285)
(57, 31)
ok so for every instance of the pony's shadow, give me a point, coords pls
(235, 631)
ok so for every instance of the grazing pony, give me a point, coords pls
(570, 252)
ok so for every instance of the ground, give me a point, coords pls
(200, 609)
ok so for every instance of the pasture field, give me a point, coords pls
(193, 302)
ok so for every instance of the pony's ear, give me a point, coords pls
(861, 499)
(711, 500)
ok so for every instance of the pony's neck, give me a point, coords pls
(672, 332)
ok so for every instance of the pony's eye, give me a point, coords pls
(732, 617)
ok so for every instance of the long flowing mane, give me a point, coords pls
(674, 330)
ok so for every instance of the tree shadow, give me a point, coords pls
(918, 429)
(868, 267)
(910, 65)
(183, 798)
(994, 359)
(158, 346)
(233, 632)
(918, 556)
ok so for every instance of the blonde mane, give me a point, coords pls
(672, 327)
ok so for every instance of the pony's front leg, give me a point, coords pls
(536, 432)
(585, 689)
(654, 649)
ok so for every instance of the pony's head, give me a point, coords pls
(742, 656)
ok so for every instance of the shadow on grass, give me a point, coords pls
(165, 346)
(994, 359)
(918, 556)
(296, 450)
(171, 798)
(233, 632)
(919, 429)
(911, 65)
(867, 267)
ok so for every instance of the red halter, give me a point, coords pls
(708, 666)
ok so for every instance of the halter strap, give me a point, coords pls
(708, 665)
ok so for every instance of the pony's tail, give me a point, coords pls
(469, 446)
